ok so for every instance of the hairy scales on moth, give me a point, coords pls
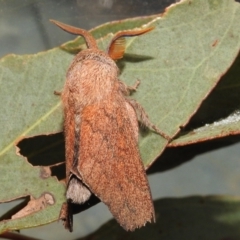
(101, 134)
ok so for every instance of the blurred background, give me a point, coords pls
(25, 29)
(25, 26)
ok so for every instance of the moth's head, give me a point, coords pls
(116, 47)
(98, 56)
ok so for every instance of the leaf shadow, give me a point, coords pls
(133, 58)
(45, 150)
(173, 157)
(13, 210)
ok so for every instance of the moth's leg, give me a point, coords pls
(57, 93)
(134, 87)
(66, 216)
(145, 119)
(133, 119)
(126, 90)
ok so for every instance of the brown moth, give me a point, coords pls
(101, 133)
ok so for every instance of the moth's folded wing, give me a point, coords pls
(110, 164)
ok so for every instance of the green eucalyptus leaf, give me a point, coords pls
(218, 116)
